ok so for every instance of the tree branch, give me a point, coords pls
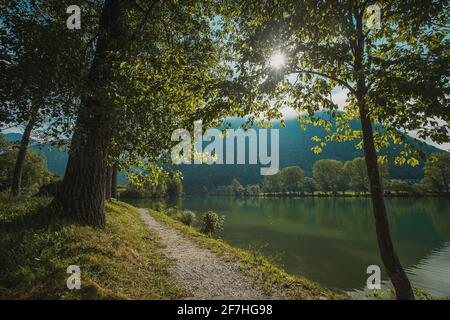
(144, 19)
(323, 75)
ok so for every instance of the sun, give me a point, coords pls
(277, 60)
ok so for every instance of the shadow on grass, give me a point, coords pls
(25, 215)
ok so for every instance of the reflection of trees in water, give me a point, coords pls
(440, 215)
(342, 216)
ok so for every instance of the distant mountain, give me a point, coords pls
(295, 149)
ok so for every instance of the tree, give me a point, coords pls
(309, 185)
(356, 171)
(398, 186)
(156, 67)
(437, 171)
(35, 173)
(394, 73)
(237, 187)
(329, 175)
(174, 185)
(42, 67)
(274, 183)
(293, 178)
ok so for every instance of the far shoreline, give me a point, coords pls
(299, 195)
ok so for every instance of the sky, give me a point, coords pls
(339, 97)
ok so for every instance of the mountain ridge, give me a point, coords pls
(295, 149)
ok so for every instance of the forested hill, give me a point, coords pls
(295, 149)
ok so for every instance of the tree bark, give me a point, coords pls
(389, 257)
(18, 168)
(114, 183)
(82, 194)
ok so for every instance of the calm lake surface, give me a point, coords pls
(332, 241)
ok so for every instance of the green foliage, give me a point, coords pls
(289, 179)
(437, 172)
(329, 175)
(309, 185)
(293, 178)
(171, 74)
(174, 185)
(356, 171)
(397, 75)
(399, 186)
(154, 184)
(43, 65)
(211, 223)
(172, 212)
(236, 187)
(274, 183)
(186, 217)
(35, 173)
(51, 188)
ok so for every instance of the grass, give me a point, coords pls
(120, 261)
(264, 273)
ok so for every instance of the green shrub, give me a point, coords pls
(172, 212)
(51, 188)
(211, 223)
(186, 217)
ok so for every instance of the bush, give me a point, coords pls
(172, 212)
(211, 223)
(186, 217)
(51, 188)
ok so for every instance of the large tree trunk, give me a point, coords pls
(18, 168)
(114, 183)
(391, 262)
(82, 194)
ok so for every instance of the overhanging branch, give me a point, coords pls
(323, 75)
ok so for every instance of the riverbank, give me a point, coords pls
(121, 261)
(274, 281)
(131, 259)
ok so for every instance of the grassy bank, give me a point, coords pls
(120, 261)
(255, 266)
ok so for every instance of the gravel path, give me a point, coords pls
(200, 270)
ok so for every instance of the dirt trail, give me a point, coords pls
(200, 270)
